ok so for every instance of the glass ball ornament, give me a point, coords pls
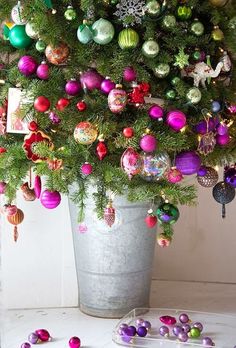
(184, 12)
(70, 14)
(85, 33)
(107, 85)
(57, 54)
(223, 192)
(148, 143)
(167, 213)
(175, 80)
(141, 331)
(153, 8)
(17, 14)
(215, 106)
(209, 179)
(128, 39)
(194, 95)
(18, 37)
(232, 23)
(197, 28)
(155, 165)
(169, 22)
(40, 46)
(174, 175)
(218, 3)
(196, 55)
(183, 336)
(41, 104)
(164, 330)
(129, 74)
(103, 31)
(207, 341)
(73, 87)
(42, 71)
(91, 79)
(131, 162)
(33, 338)
(85, 133)
(222, 128)
(50, 199)
(150, 48)
(194, 332)
(128, 132)
(223, 140)
(25, 345)
(117, 99)
(217, 34)
(162, 70)
(31, 31)
(230, 176)
(43, 334)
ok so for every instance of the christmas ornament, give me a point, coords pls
(129, 74)
(184, 12)
(176, 120)
(18, 37)
(197, 28)
(41, 104)
(25, 345)
(101, 149)
(167, 213)
(109, 214)
(223, 192)
(74, 342)
(232, 23)
(164, 241)
(16, 220)
(163, 330)
(107, 85)
(223, 140)
(54, 118)
(217, 34)
(57, 55)
(17, 14)
(70, 14)
(209, 179)
(128, 39)
(167, 320)
(28, 193)
(206, 143)
(50, 199)
(231, 109)
(154, 166)
(62, 104)
(182, 337)
(54, 164)
(32, 139)
(204, 127)
(128, 132)
(131, 162)
(103, 31)
(91, 79)
(37, 186)
(43, 335)
(148, 143)
(72, 87)
(174, 175)
(43, 71)
(86, 168)
(40, 46)
(85, 33)
(153, 8)
(136, 96)
(141, 331)
(222, 128)
(27, 65)
(194, 95)
(33, 338)
(2, 150)
(130, 11)
(31, 30)
(9, 209)
(169, 22)
(81, 106)
(196, 55)
(162, 70)
(207, 341)
(150, 219)
(188, 162)
(156, 112)
(117, 99)
(215, 106)
(227, 64)
(3, 186)
(181, 59)
(150, 48)
(33, 126)
(170, 94)
(230, 176)
(202, 171)
(218, 3)
(85, 133)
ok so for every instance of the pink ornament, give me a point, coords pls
(3, 186)
(109, 214)
(27, 65)
(129, 74)
(91, 79)
(167, 319)
(131, 162)
(156, 112)
(74, 342)
(107, 85)
(176, 120)
(222, 129)
(86, 168)
(43, 335)
(55, 119)
(174, 176)
(223, 140)
(117, 99)
(43, 71)
(232, 108)
(164, 241)
(37, 186)
(148, 143)
(72, 87)
(50, 199)
(9, 209)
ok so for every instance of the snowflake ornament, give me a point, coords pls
(130, 12)
(181, 59)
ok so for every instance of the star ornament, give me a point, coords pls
(181, 59)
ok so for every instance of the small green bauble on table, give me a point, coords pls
(150, 48)
(197, 28)
(128, 38)
(169, 22)
(162, 70)
(171, 94)
(184, 12)
(153, 8)
(70, 14)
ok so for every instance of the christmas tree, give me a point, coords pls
(133, 95)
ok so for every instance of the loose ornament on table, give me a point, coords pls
(74, 342)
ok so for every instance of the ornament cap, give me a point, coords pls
(119, 85)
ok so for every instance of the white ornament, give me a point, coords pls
(131, 11)
(30, 30)
(227, 62)
(16, 15)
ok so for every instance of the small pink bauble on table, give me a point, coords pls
(43, 71)
(43, 335)
(91, 79)
(50, 199)
(188, 162)
(72, 87)
(176, 120)
(129, 74)
(107, 85)
(86, 168)
(148, 143)
(74, 342)
(27, 65)
(37, 186)
(222, 140)
(156, 112)
(3, 186)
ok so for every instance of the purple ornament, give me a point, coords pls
(129, 74)
(184, 318)
(33, 338)
(127, 334)
(27, 65)
(25, 345)
(222, 140)
(156, 112)
(207, 341)
(177, 329)
(43, 71)
(188, 163)
(148, 143)
(87, 169)
(202, 171)
(132, 330)
(183, 337)
(222, 129)
(176, 120)
(202, 128)
(186, 327)
(91, 79)
(72, 87)
(147, 324)
(50, 199)
(54, 118)
(164, 331)
(107, 85)
(232, 109)
(230, 177)
(121, 328)
(139, 321)
(198, 325)
(141, 331)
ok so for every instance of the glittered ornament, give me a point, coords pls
(15, 220)
(188, 162)
(130, 11)
(223, 192)
(148, 143)
(206, 143)
(85, 133)
(194, 95)
(62, 104)
(107, 85)
(86, 168)
(218, 3)
(169, 22)
(174, 175)
(164, 241)
(128, 39)
(162, 70)
(184, 12)
(57, 54)
(155, 165)
(176, 120)
(37, 186)
(28, 193)
(43, 335)
(41, 104)
(117, 99)
(131, 162)
(70, 14)
(31, 31)
(150, 48)
(156, 112)
(217, 34)
(40, 46)
(42, 71)
(27, 65)
(54, 118)
(209, 179)
(18, 37)
(128, 132)
(153, 8)
(151, 219)
(197, 28)
(91, 79)
(103, 31)
(129, 74)
(109, 214)
(101, 149)
(167, 213)
(50, 199)
(85, 33)
(17, 14)
(32, 139)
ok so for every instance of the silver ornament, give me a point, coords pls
(130, 11)
(194, 95)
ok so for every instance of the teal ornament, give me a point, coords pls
(153, 8)
(31, 31)
(18, 37)
(194, 95)
(85, 33)
(70, 14)
(40, 46)
(169, 22)
(162, 70)
(167, 213)
(103, 31)
(171, 94)
(197, 28)
(48, 3)
(150, 48)
(175, 80)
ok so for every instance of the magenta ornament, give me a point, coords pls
(232, 109)
(86, 168)
(37, 186)
(202, 171)
(43, 71)
(3, 186)
(222, 129)
(131, 162)
(222, 140)
(174, 175)
(129, 74)
(107, 85)
(188, 162)
(183, 337)
(117, 99)
(207, 341)
(43, 335)
(148, 143)
(168, 320)
(72, 87)
(176, 120)
(50, 199)
(54, 118)
(203, 127)
(27, 65)
(74, 342)
(156, 112)
(25, 345)
(91, 79)
(164, 331)
(184, 318)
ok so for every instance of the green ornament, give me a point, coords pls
(171, 94)
(162, 70)
(153, 8)
(217, 34)
(197, 28)
(40, 46)
(175, 80)
(85, 33)
(194, 95)
(169, 22)
(18, 37)
(70, 14)
(194, 332)
(167, 213)
(181, 59)
(128, 38)
(197, 55)
(232, 23)
(150, 48)
(184, 12)
(103, 31)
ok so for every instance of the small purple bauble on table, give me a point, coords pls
(198, 325)
(50, 199)
(164, 331)
(129, 74)
(27, 65)
(188, 162)
(183, 337)
(141, 331)
(72, 87)
(207, 341)
(33, 338)
(156, 112)
(176, 120)
(25, 345)
(139, 321)
(148, 143)
(177, 329)
(54, 118)
(186, 328)
(147, 324)
(127, 334)
(107, 85)
(223, 140)
(43, 71)
(184, 318)
(91, 79)
(121, 328)
(230, 177)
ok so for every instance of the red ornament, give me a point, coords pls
(101, 150)
(128, 132)
(151, 220)
(62, 104)
(41, 104)
(138, 93)
(33, 126)
(109, 214)
(81, 105)
(2, 150)
(31, 140)
(43, 335)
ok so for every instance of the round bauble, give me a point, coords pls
(197, 28)
(232, 23)
(131, 162)
(230, 176)
(128, 38)
(196, 55)
(217, 34)
(85, 133)
(117, 99)
(169, 22)
(74, 342)
(62, 104)
(81, 106)
(188, 162)
(129, 74)
(43, 71)
(209, 179)
(148, 143)
(17, 14)
(175, 80)
(184, 12)
(18, 37)
(202, 171)
(107, 85)
(154, 166)
(218, 3)
(215, 106)
(151, 220)
(25, 345)
(156, 112)
(50, 199)
(43, 335)
(164, 241)
(9, 209)
(162, 70)
(167, 213)
(223, 192)
(85, 33)
(203, 127)
(27, 65)
(40, 46)
(17, 218)
(73, 87)
(194, 95)
(170, 94)
(86, 168)
(128, 132)
(150, 48)
(33, 338)
(223, 140)
(70, 14)
(57, 55)
(41, 104)
(91, 79)
(174, 175)
(153, 8)
(222, 128)
(32, 126)
(103, 31)
(31, 31)
(176, 120)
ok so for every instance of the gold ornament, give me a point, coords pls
(217, 34)
(218, 3)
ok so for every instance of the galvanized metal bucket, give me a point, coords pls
(114, 265)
